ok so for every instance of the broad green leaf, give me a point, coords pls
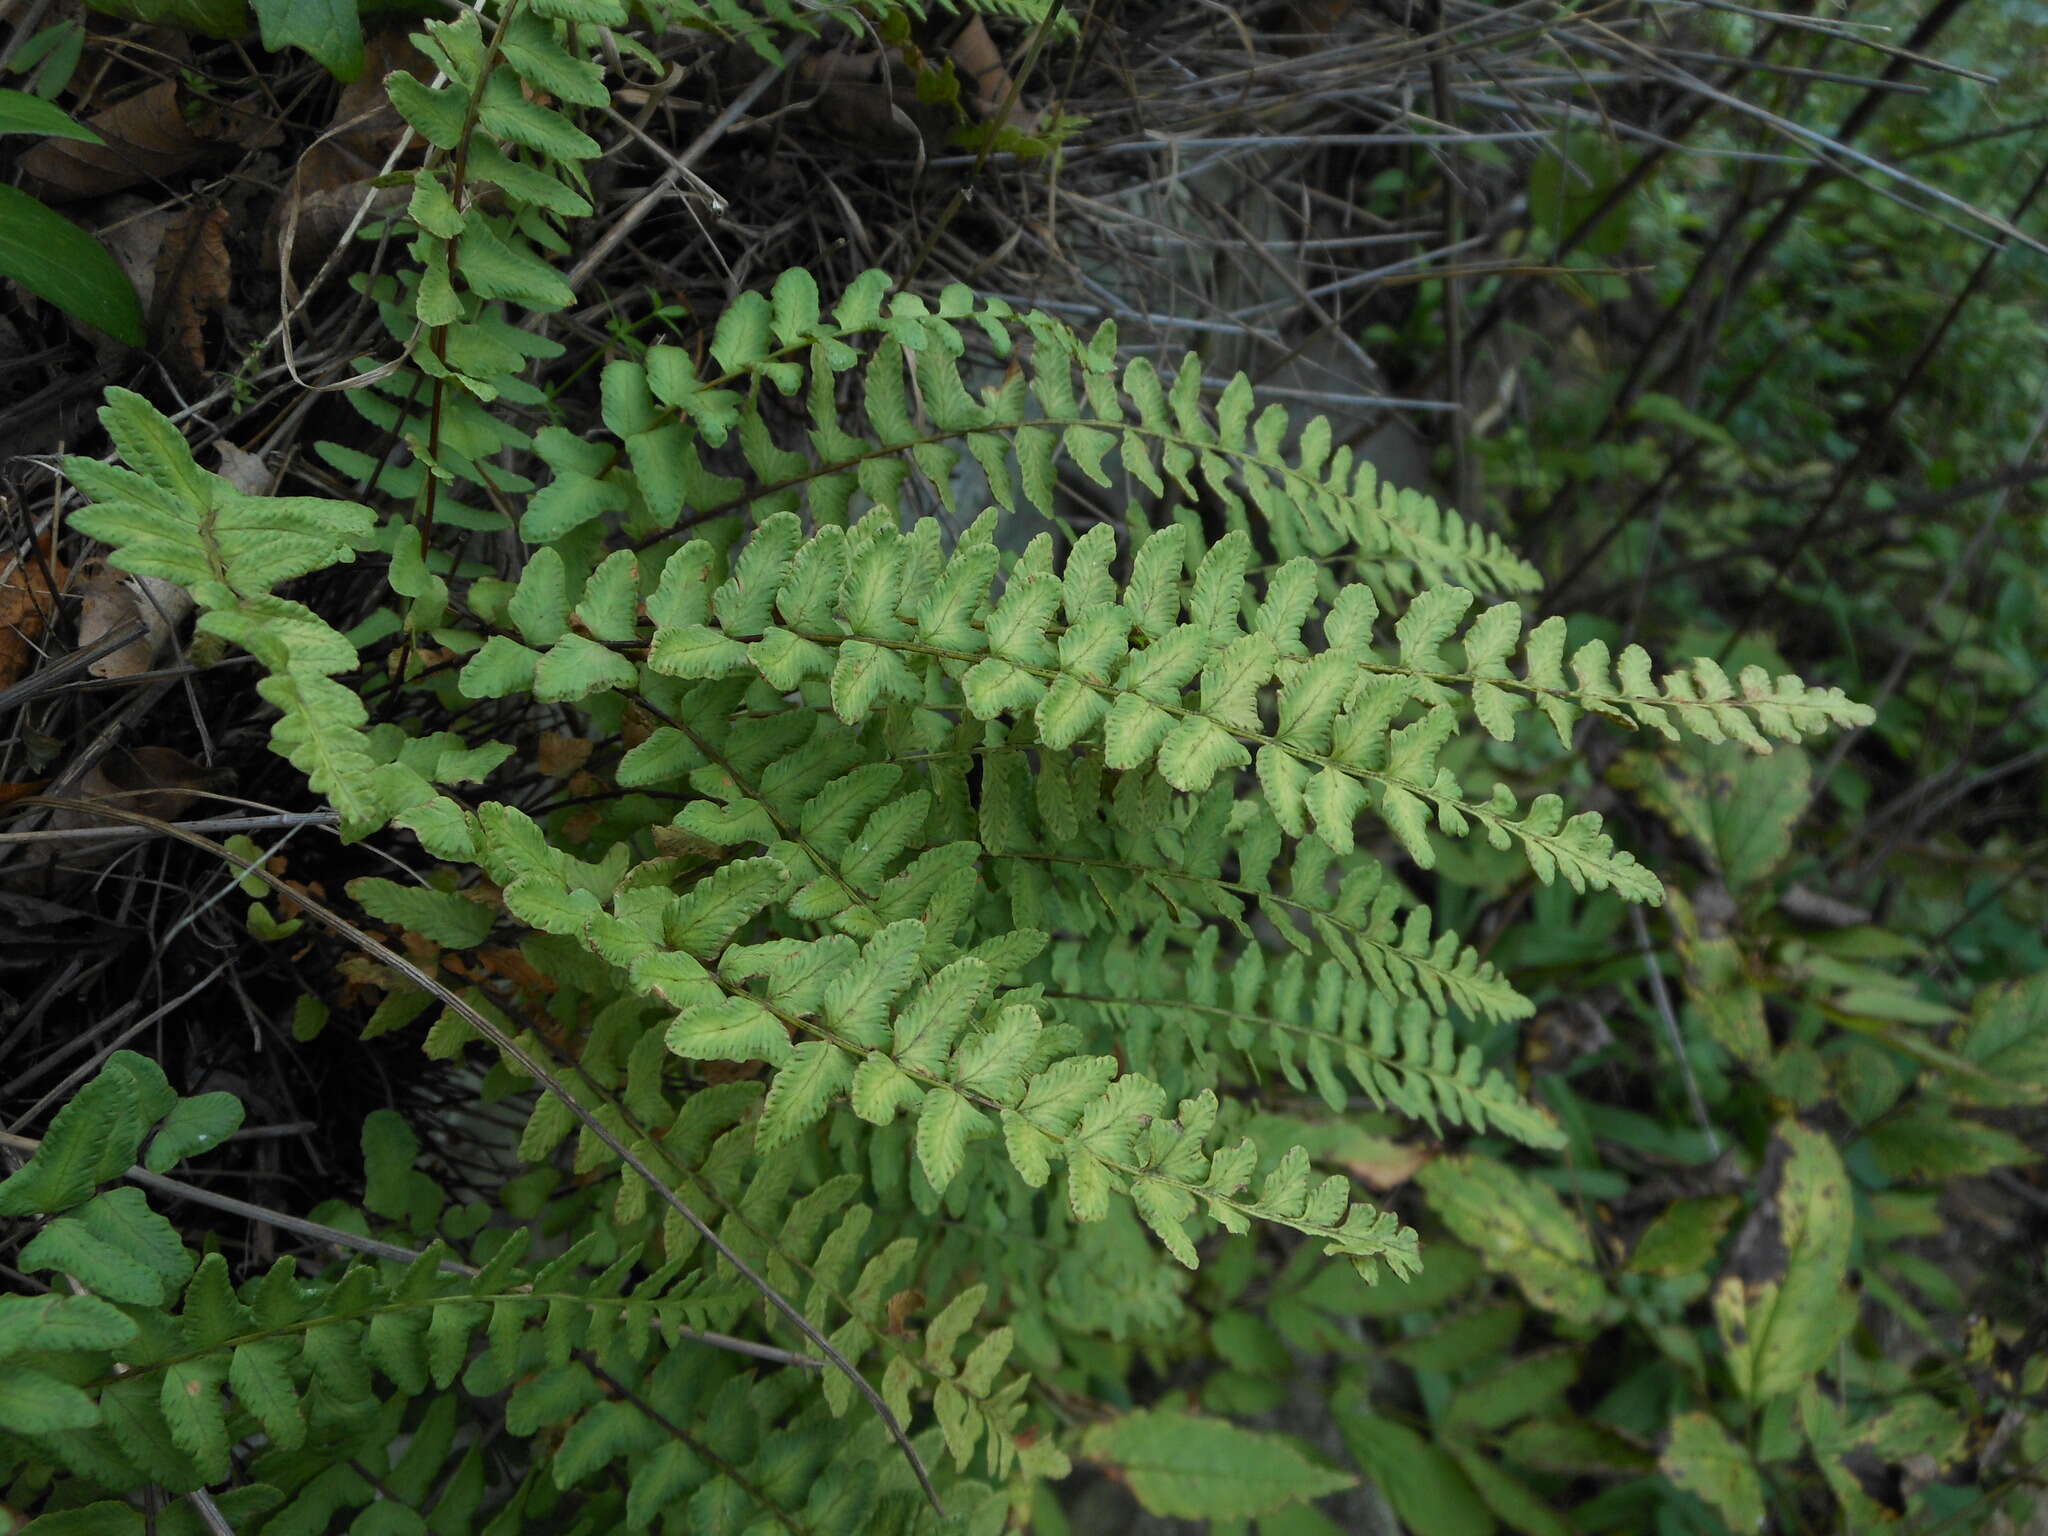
(1685, 1237)
(32, 1324)
(502, 668)
(260, 1374)
(497, 266)
(23, 113)
(1465, 1339)
(56, 260)
(1703, 1459)
(1785, 1303)
(1513, 1392)
(389, 1151)
(214, 18)
(193, 1126)
(32, 1403)
(449, 918)
(114, 1245)
(328, 30)
(1192, 1468)
(540, 606)
(93, 1138)
(1929, 1141)
(946, 1122)
(816, 1072)
(197, 1416)
(106, 1518)
(1425, 1485)
(2007, 1038)
(575, 667)
(1522, 1229)
(1739, 807)
(1519, 1506)
(1574, 1446)
(735, 1029)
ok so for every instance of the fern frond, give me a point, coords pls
(1133, 858)
(1169, 679)
(165, 516)
(948, 1047)
(1309, 501)
(1702, 698)
(1323, 1022)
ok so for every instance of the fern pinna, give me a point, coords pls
(936, 917)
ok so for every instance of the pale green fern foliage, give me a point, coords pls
(940, 919)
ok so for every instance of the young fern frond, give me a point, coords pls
(159, 1363)
(881, 1026)
(171, 519)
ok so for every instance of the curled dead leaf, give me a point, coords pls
(244, 470)
(980, 63)
(28, 606)
(156, 781)
(192, 282)
(853, 101)
(151, 136)
(560, 755)
(335, 175)
(111, 601)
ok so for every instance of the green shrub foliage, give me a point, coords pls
(932, 901)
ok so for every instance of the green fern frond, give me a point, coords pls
(1322, 1022)
(164, 516)
(1170, 679)
(1705, 702)
(1134, 858)
(946, 1047)
(1312, 502)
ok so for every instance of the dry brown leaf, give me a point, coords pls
(133, 229)
(854, 102)
(1390, 1165)
(192, 282)
(155, 781)
(561, 755)
(902, 1307)
(110, 600)
(980, 62)
(244, 470)
(149, 137)
(28, 605)
(333, 177)
(510, 965)
(637, 726)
